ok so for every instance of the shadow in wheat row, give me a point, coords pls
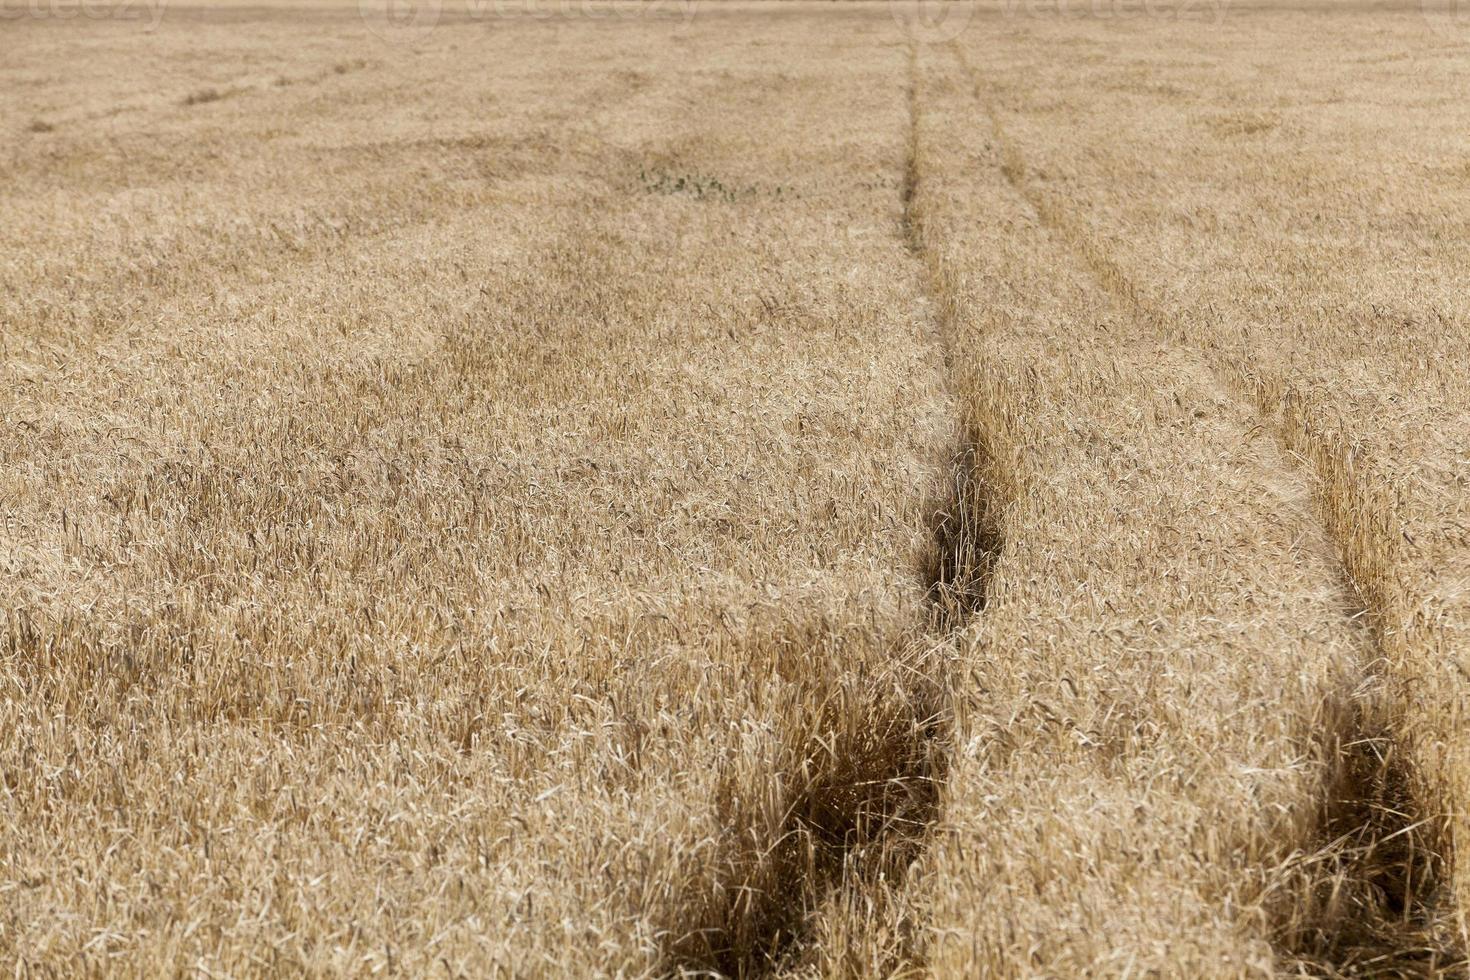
(853, 786)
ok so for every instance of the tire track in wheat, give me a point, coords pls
(1379, 862)
(840, 856)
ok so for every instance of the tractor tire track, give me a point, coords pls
(1375, 876)
(870, 766)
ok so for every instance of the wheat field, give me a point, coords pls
(779, 489)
